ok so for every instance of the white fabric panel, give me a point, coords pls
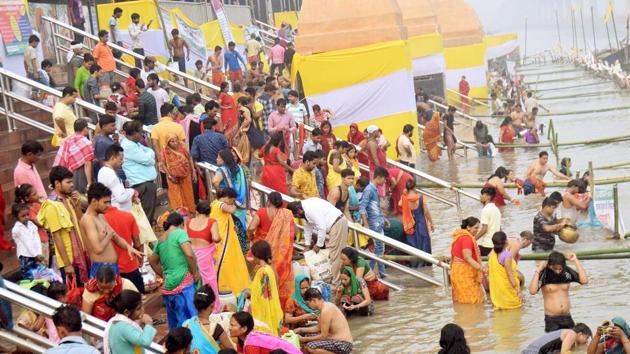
(475, 76)
(429, 65)
(501, 50)
(369, 100)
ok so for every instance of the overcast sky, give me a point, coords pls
(499, 16)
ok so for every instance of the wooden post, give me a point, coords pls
(583, 30)
(616, 209)
(592, 179)
(558, 29)
(593, 23)
(525, 49)
(608, 35)
(612, 15)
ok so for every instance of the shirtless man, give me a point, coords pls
(555, 278)
(530, 122)
(176, 49)
(215, 64)
(517, 118)
(332, 333)
(571, 204)
(540, 168)
(97, 233)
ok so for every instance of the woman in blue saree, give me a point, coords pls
(231, 174)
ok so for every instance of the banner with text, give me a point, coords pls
(15, 27)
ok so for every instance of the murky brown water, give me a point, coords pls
(410, 322)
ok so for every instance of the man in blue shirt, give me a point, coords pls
(139, 167)
(370, 208)
(67, 320)
(230, 62)
(206, 147)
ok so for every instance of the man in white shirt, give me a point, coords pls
(297, 109)
(530, 102)
(405, 149)
(490, 221)
(331, 227)
(160, 94)
(150, 67)
(31, 64)
(121, 197)
(135, 32)
(314, 143)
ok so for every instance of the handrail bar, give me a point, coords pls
(129, 52)
(47, 306)
(264, 24)
(21, 342)
(467, 116)
(171, 83)
(469, 97)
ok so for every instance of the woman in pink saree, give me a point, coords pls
(204, 233)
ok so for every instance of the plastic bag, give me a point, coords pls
(319, 265)
(146, 231)
(75, 293)
(292, 338)
(44, 273)
(323, 288)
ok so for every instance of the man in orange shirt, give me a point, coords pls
(104, 57)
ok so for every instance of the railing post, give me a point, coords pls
(3, 87)
(55, 42)
(208, 178)
(458, 200)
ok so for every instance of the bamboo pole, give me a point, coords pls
(593, 24)
(586, 111)
(558, 29)
(591, 179)
(573, 86)
(556, 149)
(550, 184)
(583, 30)
(525, 49)
(612, 16)
(577, 96)
(609, 167)
(616, 208)
(614, 139)
(582, 255)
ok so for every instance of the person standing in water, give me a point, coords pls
(555, 278)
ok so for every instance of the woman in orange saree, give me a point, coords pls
(431, 136)
(179, 173)
(466, 268)
(275, 225)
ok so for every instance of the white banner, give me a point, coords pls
(605, 209)
(193, 36)
(223, 21)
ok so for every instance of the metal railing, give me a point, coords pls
(55, 25)
(459, 142)
(211, 169)
(8, 97)
(46, 306)
(439, 183)
(468, 118)
(472, 99)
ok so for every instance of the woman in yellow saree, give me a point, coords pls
(265, 302)
(505, 287)
(466, 268)
(232, 273)
(431, 136)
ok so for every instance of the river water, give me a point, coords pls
(410, 322)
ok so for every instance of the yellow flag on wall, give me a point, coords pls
(608, 12)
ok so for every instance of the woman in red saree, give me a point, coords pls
(328, 138)
(275, 225)
(466, 267)
(180, 174)
(506, 134)
(229, 112)
(357, 138)
(275, 164)
(397, 181)
(431, 136)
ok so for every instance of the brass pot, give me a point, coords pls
(569, 234)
